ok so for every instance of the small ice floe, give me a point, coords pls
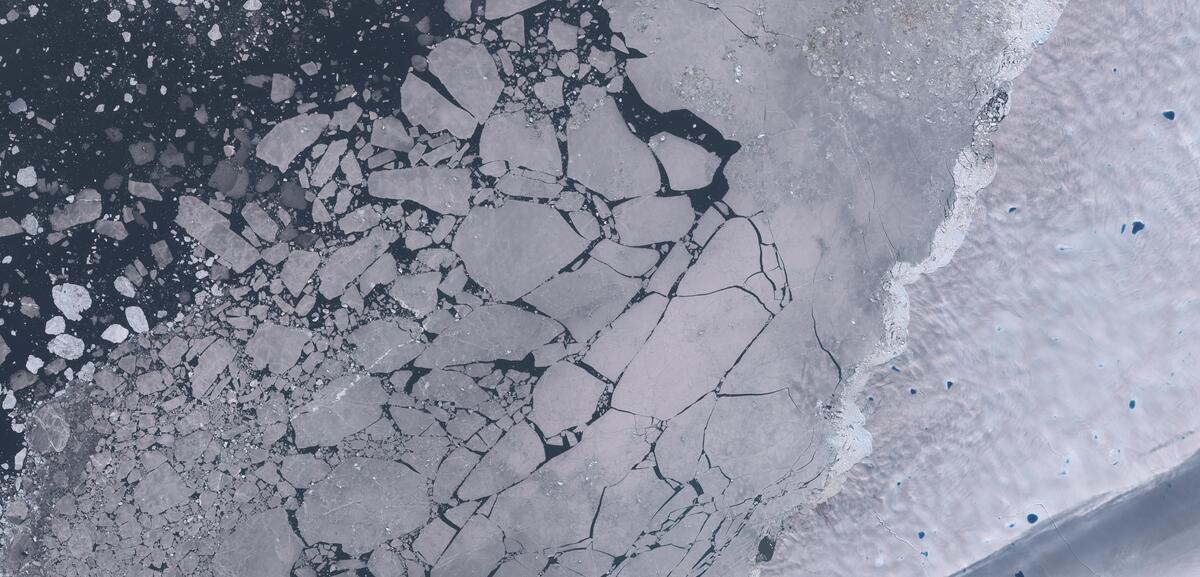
(71, 299)
(66, 346)
(115, 334)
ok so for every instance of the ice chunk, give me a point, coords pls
(382, 346)
(417, 293)
(627, 510)
(71, 299)
(56, 325)
(513, 29)
(87, 207)
(449, 387)
(476, 550)
(512, 137)
(757, 452)
(66, 346)
(348, 262)
(679, 451)
(469, 75)
(424, 106)
(282, 88)
(260, 222)
(136, 319)
(518, 184)
(277, 347)
(627, 260)
(363, 503)
(328, 164)
(458, 9)
(650, 220)
(568, 488)
(112, 228)
(385, 563)
(345, 406)
(697, 341)
(564, 397)
(688, 165)
(115, 334)
(513, 458)
(211, 229)
(160, 490)
(298, 269)
(603, 154)
(49, 430)
(289, 138)
(263, 545)
(303, 470)
(388, 132)
(125, 287)
(585, 300)
(9, 227)
(512, 249)
(617, 345)
(27, 176)
(447, 191)
(729, 259)
(496, 9)
(360, 219)
(488, 333)
(144, 190)
(212, 363)
(562, 35)
(550, 92)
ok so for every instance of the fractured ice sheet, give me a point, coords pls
(515, 288)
